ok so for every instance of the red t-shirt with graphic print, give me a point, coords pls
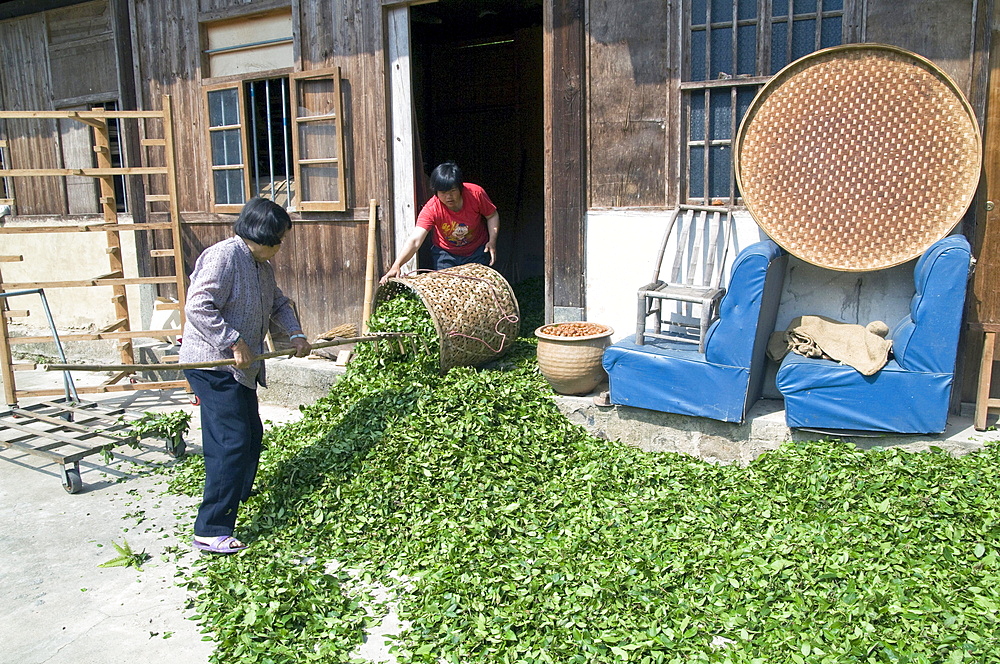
(459, 233)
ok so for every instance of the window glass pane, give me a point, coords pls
(779, 56)
(721, 121)
(805, 6)
(698, 12)
(316, 97)
(318, 140)
(319, 183)
(226, 148)
(223, 107)
(697, 115)
(722, 11)
(833, 5)
(229, 187)
(719, 169)
(722, 52)
(744, 97)
(696, 171)
(832, 28)
(697, 55)
(746, 47)
(746, 9)
(803, 38)
(779, 7)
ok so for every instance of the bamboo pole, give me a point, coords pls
(369, 265)
(215, 363)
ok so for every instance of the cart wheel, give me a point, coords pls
(177, 448)
(72, 483)
(195, 401)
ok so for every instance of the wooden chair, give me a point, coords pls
(698, 235)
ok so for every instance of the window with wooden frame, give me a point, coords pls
(280, 138)
(271, 133)
(318, 141)
(732, 48)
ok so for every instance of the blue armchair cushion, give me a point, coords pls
(910, 394)
(726, 380)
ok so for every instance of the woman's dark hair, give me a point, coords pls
(446, 177)
(262, 221)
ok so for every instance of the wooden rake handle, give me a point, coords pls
(217, 363)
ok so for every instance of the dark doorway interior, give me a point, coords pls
(477, 77)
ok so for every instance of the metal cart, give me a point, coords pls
(67, 430)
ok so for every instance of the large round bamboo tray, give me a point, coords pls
(474, 310)
(858, 157)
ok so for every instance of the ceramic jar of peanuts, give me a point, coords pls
(569, 355)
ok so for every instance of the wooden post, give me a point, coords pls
(102, 147)
(983, 389)
(370, 265)
(175, 210)
(6, 360)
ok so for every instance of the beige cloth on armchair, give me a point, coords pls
(864, 348)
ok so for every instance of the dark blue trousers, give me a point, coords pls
(440, 259)
(231, 433)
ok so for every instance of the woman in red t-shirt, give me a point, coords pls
(464, 221)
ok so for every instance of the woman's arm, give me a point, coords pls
(410, 248)
(493, 226)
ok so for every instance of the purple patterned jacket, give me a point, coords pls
(231, 296)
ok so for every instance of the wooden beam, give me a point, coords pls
(83, 172)
(118, 324)
(86, 228)
(168, 306)
(128, 387)
(77, 115)
(80, 283)
(131, 334)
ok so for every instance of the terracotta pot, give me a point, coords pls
(572, 365)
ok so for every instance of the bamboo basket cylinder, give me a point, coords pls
(474, 310)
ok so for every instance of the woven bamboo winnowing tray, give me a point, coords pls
(474, 310)
(858, 157)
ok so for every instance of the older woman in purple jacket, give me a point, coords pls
(230, 303)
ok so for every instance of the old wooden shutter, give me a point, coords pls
(318, 141)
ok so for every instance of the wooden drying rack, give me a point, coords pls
(122, 330)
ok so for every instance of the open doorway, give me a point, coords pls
(477, 91)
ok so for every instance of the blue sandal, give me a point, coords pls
(223, 544)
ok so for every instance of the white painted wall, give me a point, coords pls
(621, 252)
(65, 257)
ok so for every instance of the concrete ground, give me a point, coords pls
(62, 606)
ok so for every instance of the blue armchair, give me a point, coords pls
(910, 393)
(726, 380)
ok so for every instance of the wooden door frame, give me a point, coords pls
(564, 58)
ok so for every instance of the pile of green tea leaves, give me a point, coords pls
(507, 534)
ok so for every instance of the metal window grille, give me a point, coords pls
(733, 47)
(270, 140)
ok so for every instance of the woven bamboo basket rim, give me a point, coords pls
(459, 346)
(858, 157)
(606, 332)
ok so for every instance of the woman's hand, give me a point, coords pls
(242, 354)
(393, 272)
(302, 347)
